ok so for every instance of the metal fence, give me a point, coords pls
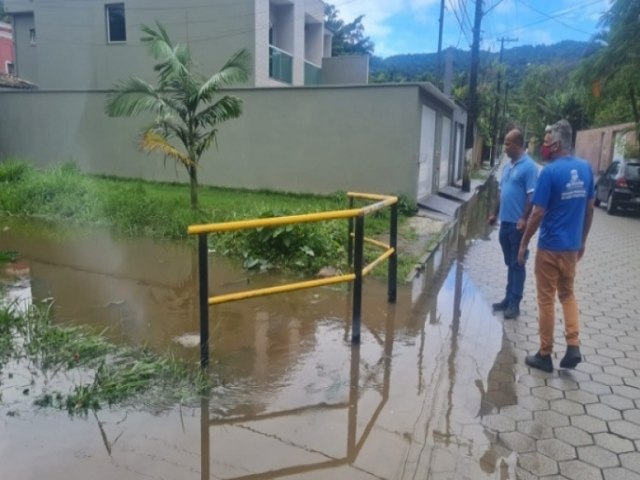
(355, 247)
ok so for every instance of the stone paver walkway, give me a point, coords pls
(582, 424)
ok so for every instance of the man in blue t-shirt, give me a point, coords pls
(514, 206)
(563, 209)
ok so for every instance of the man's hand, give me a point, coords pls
(522, 254)
(521, 223)
(492, 220)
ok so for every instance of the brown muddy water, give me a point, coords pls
(295, 398)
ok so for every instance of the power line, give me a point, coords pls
(493, 6)
(460, 23)
(552, 16)
(465, 13)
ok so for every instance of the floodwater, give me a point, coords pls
(295, 399)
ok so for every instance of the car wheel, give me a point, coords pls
(611, 205)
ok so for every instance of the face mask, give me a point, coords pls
(546, 152)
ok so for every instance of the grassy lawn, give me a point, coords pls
(161, 210)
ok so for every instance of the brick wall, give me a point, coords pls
(598, 145)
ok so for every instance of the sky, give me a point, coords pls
(411, 26)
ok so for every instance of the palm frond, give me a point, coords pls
(225, 108)
(174, 60)
(132, 97)
(205, 142)
(157, 41)
(235, 70)
(152, 141)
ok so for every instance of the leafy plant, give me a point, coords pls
(115, 374)
(185, 104)
(306, 247)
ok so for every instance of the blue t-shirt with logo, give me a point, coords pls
(564, 188)
(518, 180)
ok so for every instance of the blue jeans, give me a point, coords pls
(510, 238)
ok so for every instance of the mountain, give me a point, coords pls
(423, 66)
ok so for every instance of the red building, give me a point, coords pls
(7, 55)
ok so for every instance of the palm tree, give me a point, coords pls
(187, 106)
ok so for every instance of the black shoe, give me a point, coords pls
(512, 312)
(500, 306)
(571, 358)
(541, 362)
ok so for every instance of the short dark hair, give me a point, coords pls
(517, 136)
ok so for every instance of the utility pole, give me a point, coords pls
(439, 80)
(495, 132)
(473, 77)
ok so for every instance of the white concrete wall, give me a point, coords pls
(319, 140)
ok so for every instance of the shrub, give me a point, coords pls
(307, 247)
(13, 170)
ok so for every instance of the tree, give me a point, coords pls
(348, 38)
(614, 70)
(188, 107)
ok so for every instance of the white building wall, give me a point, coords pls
(298, 39)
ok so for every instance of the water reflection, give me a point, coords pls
(332, 443)
(294, 397)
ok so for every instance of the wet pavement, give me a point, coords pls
(436, 390)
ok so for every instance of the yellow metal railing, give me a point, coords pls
(356, 240)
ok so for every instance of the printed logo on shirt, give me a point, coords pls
(575, 187)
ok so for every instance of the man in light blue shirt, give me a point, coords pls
(514, 206)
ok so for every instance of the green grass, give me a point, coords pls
(161, 210)
(116, 375)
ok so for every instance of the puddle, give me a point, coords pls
(295, 398)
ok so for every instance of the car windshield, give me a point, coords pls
(632, 170)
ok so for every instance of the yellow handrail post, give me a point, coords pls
(357, 283)
(355, 247)
(392, 266)
(203, 283)
(350, 236)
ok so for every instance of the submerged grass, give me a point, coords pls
(108, 375)
(162, 210)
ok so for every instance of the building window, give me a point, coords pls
(116, 28)
(32, 36)
(10, 68)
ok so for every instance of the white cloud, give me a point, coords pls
(540, 37)
(378, 12)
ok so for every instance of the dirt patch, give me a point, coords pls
(420, 234)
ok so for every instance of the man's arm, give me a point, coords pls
(528, 206)
(588, 219)
(532, 226)
(494, 217)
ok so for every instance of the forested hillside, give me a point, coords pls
(423, 67)
(589, 84)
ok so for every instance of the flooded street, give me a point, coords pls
(293, 398)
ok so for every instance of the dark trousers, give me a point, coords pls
(510, 238)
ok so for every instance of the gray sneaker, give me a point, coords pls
(500, 306)
(541, 362)
(571, 358)
(512, 312)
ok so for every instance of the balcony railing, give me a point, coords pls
(280, 65)
(311, 74)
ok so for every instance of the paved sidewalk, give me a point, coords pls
(582, 424)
